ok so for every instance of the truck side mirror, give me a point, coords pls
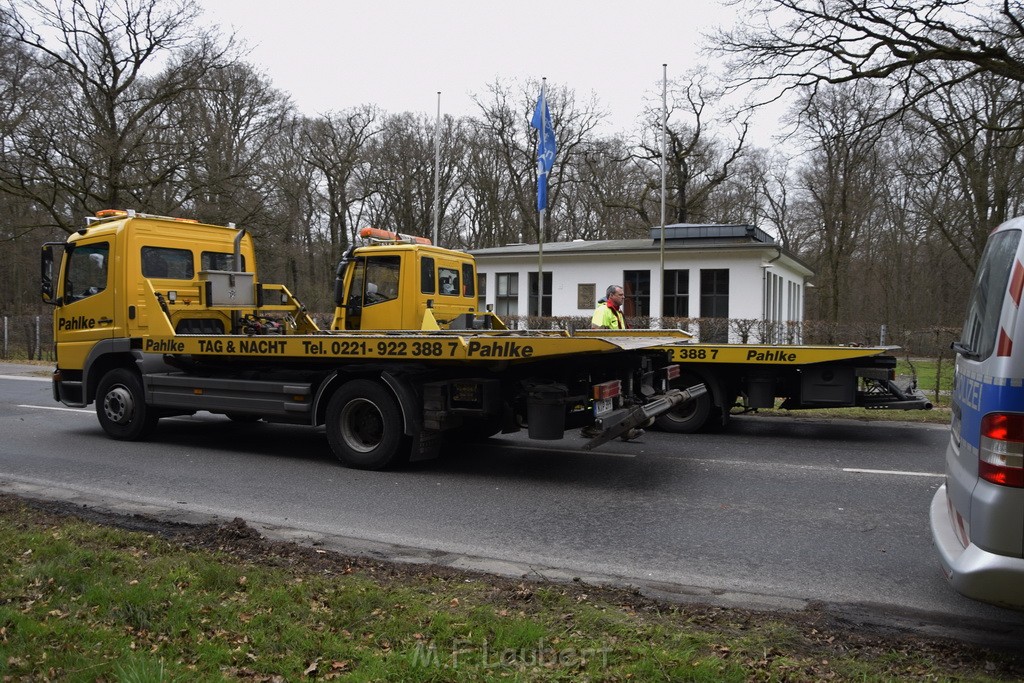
(46, 273)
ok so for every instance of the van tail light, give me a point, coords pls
(1001, 456)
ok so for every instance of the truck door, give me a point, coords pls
(374, 302)
(87, 309)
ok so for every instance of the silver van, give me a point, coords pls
(977, 516)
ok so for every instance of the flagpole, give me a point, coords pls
(540, 237)
(437, 170)
(547, 147)
(664, 127)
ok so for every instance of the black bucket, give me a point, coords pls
(545, 411)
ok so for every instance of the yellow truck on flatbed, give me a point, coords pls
(156, 317)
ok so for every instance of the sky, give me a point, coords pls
(397, 54)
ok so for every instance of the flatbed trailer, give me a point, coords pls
(742, 378)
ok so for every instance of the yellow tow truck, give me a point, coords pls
(156, 317)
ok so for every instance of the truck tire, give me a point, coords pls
(121, 406)
(691, 417)
(364, 426)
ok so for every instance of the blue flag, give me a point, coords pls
(545, 148)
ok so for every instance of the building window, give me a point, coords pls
(636, 284)
(481, 291)
(545, 303)
(675, 302)
(506, 300)
(714, 293)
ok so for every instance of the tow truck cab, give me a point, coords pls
(397, 282)
(113, 277)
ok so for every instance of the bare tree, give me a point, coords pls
(804, 43)
(845, 167)
(97, 142)
(506, 124)
(967, 158)
(398, 179)
(295, 248)
(491, 212)
(224, 129)
(615, 196)
(336, 145)
(697, 160)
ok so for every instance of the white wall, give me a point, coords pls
(748, 281)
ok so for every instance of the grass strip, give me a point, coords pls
(83, 601)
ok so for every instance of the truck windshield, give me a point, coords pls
(990, 287)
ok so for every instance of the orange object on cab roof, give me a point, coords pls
(377, 233)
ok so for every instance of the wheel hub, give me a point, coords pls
(362, 425)
(118, 405)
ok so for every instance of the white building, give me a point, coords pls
(711, 271)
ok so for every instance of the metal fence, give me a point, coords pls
(27, 337)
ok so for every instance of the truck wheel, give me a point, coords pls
(364, 426)
(121, 406)
(688, 418)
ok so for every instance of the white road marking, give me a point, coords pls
(901, 473)
(25, 378)
(67, 410)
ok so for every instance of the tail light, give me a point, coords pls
(1001, 456)
(672, 371)
(607, 389)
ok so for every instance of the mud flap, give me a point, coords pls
(621, 421)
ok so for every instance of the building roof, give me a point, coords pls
(678, 237)
(717, 231)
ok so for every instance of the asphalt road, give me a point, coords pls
(776, 513)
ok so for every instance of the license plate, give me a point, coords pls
(602, 406)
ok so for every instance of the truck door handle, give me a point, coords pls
(104, 321)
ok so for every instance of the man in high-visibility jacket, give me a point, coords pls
(608, 314)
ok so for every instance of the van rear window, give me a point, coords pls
(990, 284)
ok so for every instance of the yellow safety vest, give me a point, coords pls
(608, 318)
